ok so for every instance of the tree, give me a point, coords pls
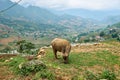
(102, 34)
(25, 47)
(115, 35)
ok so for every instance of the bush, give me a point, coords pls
(106, 74)
(77, 77)
(31, 66)
(90, 76)
(6, 49)
(109, 75)
(16, 61)
(25, 47)
(44, 74)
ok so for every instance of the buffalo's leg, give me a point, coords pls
(55, 53)
(65, 57)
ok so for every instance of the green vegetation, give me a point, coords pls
(38, 27)
(20, 66)
(14, 64)
(77, 60)
(92, 65)
(109, 75)
(6, 49)
(109, 33)
(44, 74)
(25, 47)
(34, 66)
(105, 74)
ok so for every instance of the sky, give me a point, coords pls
(74, 4)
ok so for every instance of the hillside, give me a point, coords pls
(37, 24)
(112, 19)
(40, 26)
(86, 62)
(111, 32)
(26, 32)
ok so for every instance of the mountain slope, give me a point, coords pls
(38, 15)
(35, 23)
(31, 13)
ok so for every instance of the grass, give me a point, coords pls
(102, 58)
(92, 65)
(81, 62)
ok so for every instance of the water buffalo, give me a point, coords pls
(63, 46)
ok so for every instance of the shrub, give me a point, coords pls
(31, 66)
(90, 76)
(16, 61)
(25, 47)
(77, 77)
(106, 74)
(44, 74)
(109, 75)
(6, 49)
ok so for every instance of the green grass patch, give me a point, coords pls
(44, 74)
(105, 74)
(14, 63)
(84, 59)
(102, 58)
(76, 68)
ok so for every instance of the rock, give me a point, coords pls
(7, 60)
(39, 57)
(42, 52)
(11, 58)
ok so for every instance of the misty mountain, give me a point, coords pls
(40, 22)
(40, 15)
(93, 14)
(31, 13)
(112, 19)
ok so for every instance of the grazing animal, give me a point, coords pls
(63, 46)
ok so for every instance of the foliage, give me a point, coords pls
(82, 65)
(6, 49)
(31, 66)
(109, 75)
(4, 36)
(90, 76)
(15, 62)
(106, 74)
(23, 67)
(44, 74)
(25, 47)
(102, 34)
(78, 77)
(110, 32)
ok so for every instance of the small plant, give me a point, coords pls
(109, 75)
(77, 77)
(106, 74)
(6, 49)
(44, 74)
(25, 47)
(15, 62)
(90, 76)
(31, 66)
